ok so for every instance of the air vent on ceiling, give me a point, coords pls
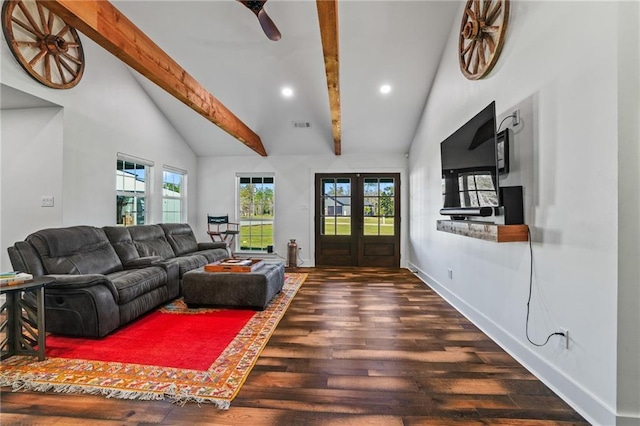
(301, 124)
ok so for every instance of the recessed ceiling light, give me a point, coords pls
(385, 88)
(287, 92)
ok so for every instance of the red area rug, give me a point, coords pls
(200, 355)
(151, 340)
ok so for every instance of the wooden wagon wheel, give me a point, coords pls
(44, 45)
(482, 33)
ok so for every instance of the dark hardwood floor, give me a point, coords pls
(358, 346)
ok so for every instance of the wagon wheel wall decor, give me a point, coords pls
(482, 33)
(44, 45)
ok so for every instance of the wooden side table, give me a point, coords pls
(22, 327)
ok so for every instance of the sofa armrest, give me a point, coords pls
(172, 268)
(69, 281)
(142, 262)
(209, 246)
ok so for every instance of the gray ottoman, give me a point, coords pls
(242, 289)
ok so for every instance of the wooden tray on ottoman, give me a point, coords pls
(234, 265)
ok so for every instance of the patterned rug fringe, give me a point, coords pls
(23, 384)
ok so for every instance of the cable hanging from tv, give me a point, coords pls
(526, 326)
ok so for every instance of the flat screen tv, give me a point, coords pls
(470, 168)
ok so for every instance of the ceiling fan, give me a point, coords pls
(266, 23)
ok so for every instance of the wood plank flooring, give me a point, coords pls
(357, 346)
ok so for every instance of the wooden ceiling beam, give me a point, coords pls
(108, 27)
(328, 19)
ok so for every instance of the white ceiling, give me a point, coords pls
(221, 44)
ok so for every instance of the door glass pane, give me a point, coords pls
(371, 226)
(329, 206)
(387, 207)
(328, 186)
(328, 226)
(343, 225)
(343, 187)
(336, 206)
(387, 225)
(379, 206)
(370, 186)
(387, 186)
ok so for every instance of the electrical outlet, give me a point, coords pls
(46, 201)
(564, 340)
(450, 273)
(515, 118)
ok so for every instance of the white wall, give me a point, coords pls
(29, 134)
(628, 214)
(294, 191)
(106, 113)
(563, 76)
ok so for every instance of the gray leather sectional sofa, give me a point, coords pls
(107, 277)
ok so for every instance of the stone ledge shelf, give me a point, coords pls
(485, 231)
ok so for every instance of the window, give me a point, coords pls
(132, 187)
(173, 195)
(256, 210)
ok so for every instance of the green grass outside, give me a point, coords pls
(258, 237)
(370, 226)
(255, 237)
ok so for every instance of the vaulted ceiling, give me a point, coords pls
(220, 43)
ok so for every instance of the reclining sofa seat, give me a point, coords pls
(94, 292)
(183, 242)
(171, 242)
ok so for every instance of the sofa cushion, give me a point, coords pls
(122, 242)
(150, 240)
(180, 237)
(134, 283)
(75, 250)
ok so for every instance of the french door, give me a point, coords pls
(357, 219)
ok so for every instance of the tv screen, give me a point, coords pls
(470, 164)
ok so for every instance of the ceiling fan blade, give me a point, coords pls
(268, 26)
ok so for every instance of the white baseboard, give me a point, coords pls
(590, 407)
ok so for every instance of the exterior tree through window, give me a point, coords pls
(256, 210)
